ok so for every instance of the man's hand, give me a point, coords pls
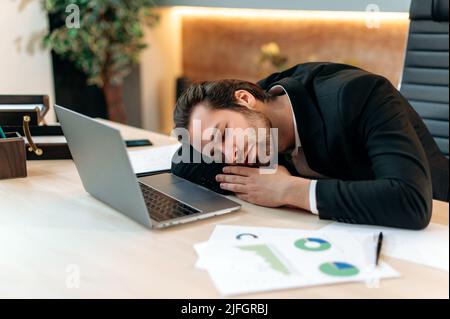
(270, 190)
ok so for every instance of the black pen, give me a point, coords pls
(379, 244)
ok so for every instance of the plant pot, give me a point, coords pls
(114, 103)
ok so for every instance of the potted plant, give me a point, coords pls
(105, 44)
(270, 59)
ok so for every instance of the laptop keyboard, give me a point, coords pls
(162, 207)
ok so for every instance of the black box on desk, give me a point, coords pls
(25, 114)
(13, 162)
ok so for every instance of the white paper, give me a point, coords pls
(153, 159)
(248, 233)
(27, 107)
(429, 247)
(232, 259)
(48, 140)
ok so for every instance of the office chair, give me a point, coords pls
(426, 75)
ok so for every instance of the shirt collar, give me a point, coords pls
(298, 143)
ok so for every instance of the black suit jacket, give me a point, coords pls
(382, 164)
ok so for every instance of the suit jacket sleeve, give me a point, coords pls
(400, 194)
(198, 172)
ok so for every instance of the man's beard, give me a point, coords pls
(263, 142)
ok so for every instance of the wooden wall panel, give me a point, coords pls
(223, 47)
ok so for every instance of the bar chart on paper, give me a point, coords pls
(268, 256)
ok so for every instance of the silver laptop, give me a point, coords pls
(155, 201)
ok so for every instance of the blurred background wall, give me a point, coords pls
(25, 68)
(212, 43)
(211, 40)
(202, 40)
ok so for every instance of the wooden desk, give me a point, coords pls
(51, 230)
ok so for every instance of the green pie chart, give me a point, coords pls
(312, 244)
(339, 269)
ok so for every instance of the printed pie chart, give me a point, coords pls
(339, 269)
(312, 244)
(246, 236)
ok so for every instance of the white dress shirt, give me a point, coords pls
(299, 161)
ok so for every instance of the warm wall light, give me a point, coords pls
(288, 14)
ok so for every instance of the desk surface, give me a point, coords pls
(52, 232)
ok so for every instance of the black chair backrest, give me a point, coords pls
(426, 76)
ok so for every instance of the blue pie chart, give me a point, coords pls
(312, 244)
(339, 269)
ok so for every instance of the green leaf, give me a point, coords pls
(110, 39)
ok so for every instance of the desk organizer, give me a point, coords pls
(13, 163)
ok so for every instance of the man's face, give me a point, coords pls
(229, 135)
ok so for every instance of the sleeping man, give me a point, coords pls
(347, 145)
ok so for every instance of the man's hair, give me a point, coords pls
(216, 95)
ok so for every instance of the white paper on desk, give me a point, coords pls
(153, 159)
(235, 269)
(59, 139)
(248, 233)
(27, 107)
(429, 247)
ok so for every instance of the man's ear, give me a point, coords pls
(245, 98)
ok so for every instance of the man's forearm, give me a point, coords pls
(386, 202)
(296, 193)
